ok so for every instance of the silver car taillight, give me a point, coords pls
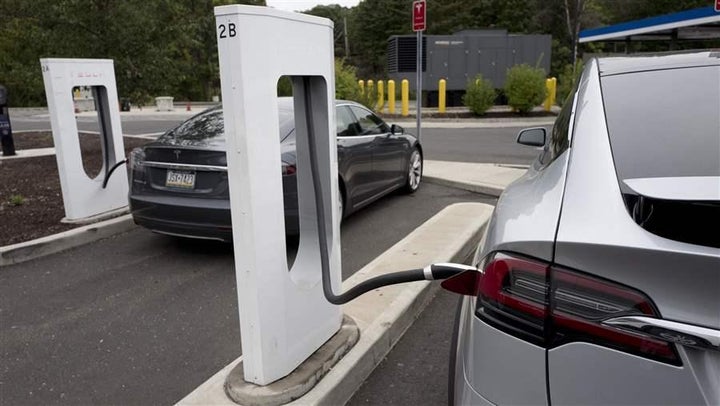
(551, 306)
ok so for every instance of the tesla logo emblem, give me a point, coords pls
(177, 154)
(678, 338)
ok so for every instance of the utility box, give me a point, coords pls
(458, 58)
(164, 103)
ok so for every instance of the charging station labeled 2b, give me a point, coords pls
(284, 316)
(83, 197)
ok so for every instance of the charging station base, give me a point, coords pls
(98, 217)
(301, 380)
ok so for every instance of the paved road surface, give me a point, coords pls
(144, 319)
(483, 145)
(416, 370)
(150, 318)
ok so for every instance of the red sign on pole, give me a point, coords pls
(419, 15)
(717, 5)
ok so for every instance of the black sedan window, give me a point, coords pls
(346, 124)
(209, 128)
(203, 127)
(369, 123)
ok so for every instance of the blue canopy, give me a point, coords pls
(699, 23)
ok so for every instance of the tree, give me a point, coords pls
(159, 47)
(339, 16)
(170, 47)
(371, 23)
(448, 17)
(580, 13)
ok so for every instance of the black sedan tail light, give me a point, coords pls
(136, 170)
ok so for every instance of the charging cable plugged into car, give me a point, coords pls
(438, 271)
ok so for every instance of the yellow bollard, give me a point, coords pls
(361, 84)
(442, 85)
(405, 97)
(380, 96)
(391, 96)
(551, 86)
(370, 86)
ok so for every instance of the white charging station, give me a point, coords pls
(284, 316)
(85, 198)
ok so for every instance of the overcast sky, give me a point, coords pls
(302, 5)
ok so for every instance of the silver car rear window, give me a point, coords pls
(664, 123)
(664, 129)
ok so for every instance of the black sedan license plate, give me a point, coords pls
(180, 179)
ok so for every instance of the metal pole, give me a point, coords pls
(347, 43)
(418, 88)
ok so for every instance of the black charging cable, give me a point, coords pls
(110, 172)
(431, 272)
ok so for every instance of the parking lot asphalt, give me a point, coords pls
(144, 319)
(429, 393)
(415, 372)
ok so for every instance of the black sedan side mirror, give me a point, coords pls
(396, 129)
(534, 137)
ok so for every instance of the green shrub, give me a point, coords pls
(16, 200)
(479, 95)
(567, 81)
(347, 88)
(346, 81)
(284, 86)
(525, 87)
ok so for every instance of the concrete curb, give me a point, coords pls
(489, 179)
(382, 315)
(25, 251)
(476, 188)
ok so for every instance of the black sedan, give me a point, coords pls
(179, 183)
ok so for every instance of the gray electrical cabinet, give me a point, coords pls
(458, 58)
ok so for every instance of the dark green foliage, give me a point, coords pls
(339, 16)
(479, 95)
(161, 47)
(525, 87)
(370, 24)
(284, 86)
(346, 82)
(347, 87)
(169, 47)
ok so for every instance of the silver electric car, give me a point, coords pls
(599, 276)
